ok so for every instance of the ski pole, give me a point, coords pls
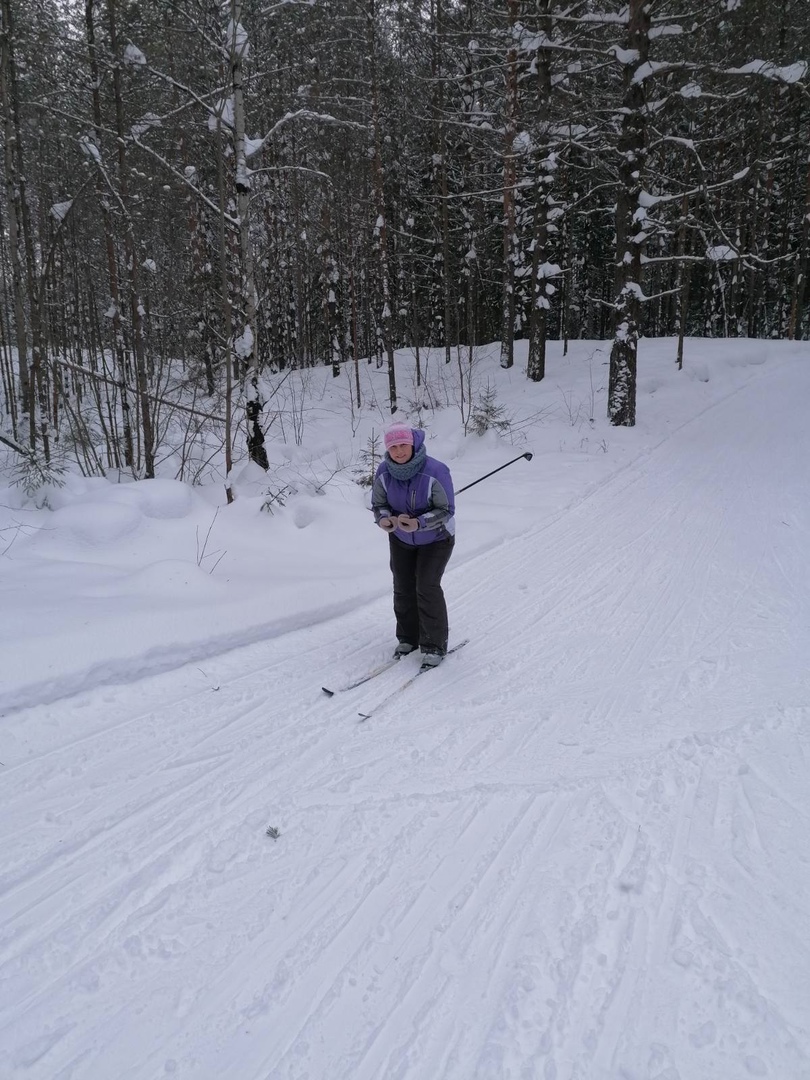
(527, 456)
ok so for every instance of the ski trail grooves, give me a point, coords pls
(577, 853)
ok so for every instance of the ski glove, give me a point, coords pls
(388, 524)
(407, 523)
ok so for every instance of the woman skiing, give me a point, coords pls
(412, 500)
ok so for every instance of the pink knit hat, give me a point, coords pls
(398, 433)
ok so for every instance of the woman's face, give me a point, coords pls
(401, 452)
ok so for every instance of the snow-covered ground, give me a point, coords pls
(577, 850)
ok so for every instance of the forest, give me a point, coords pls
(200, 198)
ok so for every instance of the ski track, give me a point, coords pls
(554, 870)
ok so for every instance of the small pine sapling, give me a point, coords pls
(488, 415)
(275, 499)
(35, 475)
(370, 457)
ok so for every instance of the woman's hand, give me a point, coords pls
(407, 523)
(388, 524)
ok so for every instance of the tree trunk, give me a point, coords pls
(509, 181)
(16, 212)
(441, 304)
(629, 233)
(379, 198)
(227, 313)
(131, 254)
(684, 277)
(800, 279)
(536, 368)
(118, 349)
(246, 350)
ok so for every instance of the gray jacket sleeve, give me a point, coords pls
(379, 499)
(440, 508)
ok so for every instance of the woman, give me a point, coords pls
(412, 499)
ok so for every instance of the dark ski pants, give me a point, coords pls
(419, 603)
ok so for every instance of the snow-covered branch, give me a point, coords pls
(253, 146)
(12, 444)
(185, 180)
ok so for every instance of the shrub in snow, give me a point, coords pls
(370, 458)
(276, 499)
(35, 475)
(488, 415)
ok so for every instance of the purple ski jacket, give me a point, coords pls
(427, 496)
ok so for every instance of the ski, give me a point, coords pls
(369, 675)
(407, 682)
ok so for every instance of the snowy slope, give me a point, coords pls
(577, 851)
(119, 580)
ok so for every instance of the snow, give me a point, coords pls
(134, 56)
(691, 90)
(522, 143)
(253, 146)
(605, 17)
(243, 344)
(634, 289)
(237, 39)
(61, 210)
(667, 30)
(549, 270)
(579, 850)
(625, 56)
(89, 148)
(146, 123)
(791, 73)
(649, 68)
(222, 113)
(722, 253)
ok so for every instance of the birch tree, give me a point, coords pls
(630, 236)
(237, 45)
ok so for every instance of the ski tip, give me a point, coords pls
(364, 716)
(329, 693)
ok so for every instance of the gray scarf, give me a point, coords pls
(410, 468)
